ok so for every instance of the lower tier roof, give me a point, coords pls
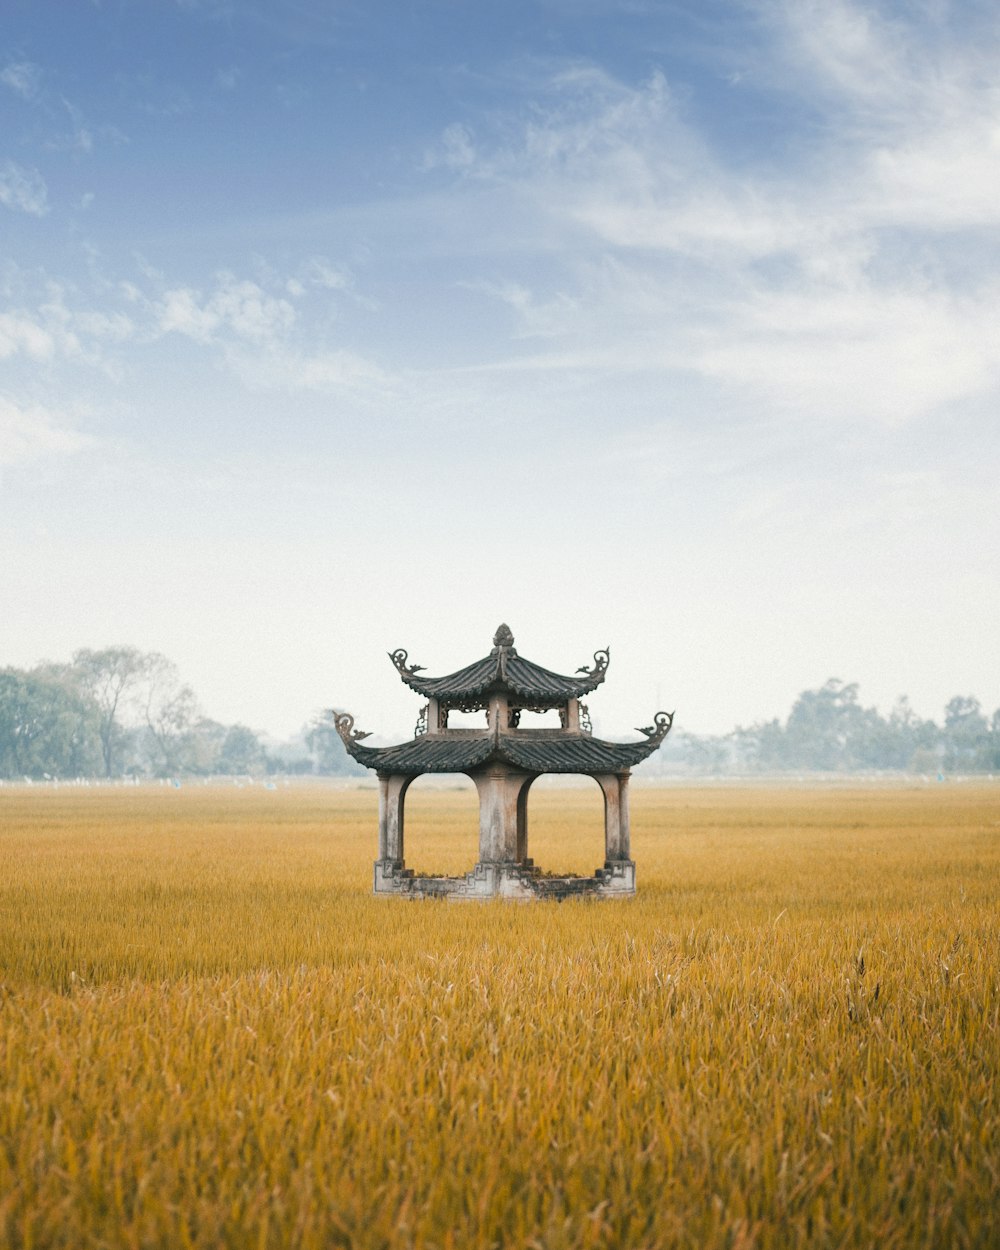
(441, 753)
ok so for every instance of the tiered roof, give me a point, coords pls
(526, 686)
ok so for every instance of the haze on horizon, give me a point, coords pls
(330, 329)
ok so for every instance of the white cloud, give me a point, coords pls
(23, 77)
(56, 331)
(23, 189)
(29, 433)
(818, 290)
(112, 327)
(20, 333)
(260, 337)
(321, 273)
(455, 149)
(866, 354)
(83, 136)
(236, 308)
(536, 318)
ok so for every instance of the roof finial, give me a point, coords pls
(503, 637)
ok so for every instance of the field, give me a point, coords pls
(211, 1034)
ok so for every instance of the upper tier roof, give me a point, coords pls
(503, 671)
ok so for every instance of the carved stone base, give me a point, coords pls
(522, 882)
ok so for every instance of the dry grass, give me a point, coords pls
(212, 1035)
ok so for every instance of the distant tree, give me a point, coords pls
(761, 747)
(204, 745)
(708, 754)
(112, 676)
(910, 741)
(829, 730)
(825, 727)
(241, 752)
(965, 735)
(989, 753)
(292, 756)
(48, 725)
(171, 714)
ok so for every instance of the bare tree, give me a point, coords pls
(112, 677)
(171, 713)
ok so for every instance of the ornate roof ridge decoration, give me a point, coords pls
(503, 639)
(399, 658)
(343, 722)
(503, 670)
(660, 727)
(602, 659)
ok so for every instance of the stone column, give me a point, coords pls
(617, 842)
(497, 713)
(522, 819)
(624, 824)
(497, 815)
(383, 816)
(391, 794)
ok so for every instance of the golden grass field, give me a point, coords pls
(212, 1035)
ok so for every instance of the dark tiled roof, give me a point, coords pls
(565, 753)
(503, 670)
(573, 754)
(437, 754)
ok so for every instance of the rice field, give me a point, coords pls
(212, 1035)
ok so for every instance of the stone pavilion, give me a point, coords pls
(504, 758)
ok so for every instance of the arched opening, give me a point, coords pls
(442, 824)
(566, 824)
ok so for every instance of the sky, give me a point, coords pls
(330, 327)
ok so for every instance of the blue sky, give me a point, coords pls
(327, 328)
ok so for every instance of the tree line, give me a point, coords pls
(122, 712)
(829, 730)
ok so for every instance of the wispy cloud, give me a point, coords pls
(32, 432)
(20, 333)
(24, 77)
(455, 149)
(822, 285)
(23, 189)
(239, 308)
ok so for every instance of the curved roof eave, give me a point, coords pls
(441, 753)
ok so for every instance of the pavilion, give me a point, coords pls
(503, 759)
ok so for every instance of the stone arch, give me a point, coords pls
(442, 823)
(566, 822)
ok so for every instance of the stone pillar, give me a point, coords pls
(624, 823)
(522, 819)
(383, 816)
(610, 785)
(497, 713)
(573, 716)
(497, 815)
(391, 794)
